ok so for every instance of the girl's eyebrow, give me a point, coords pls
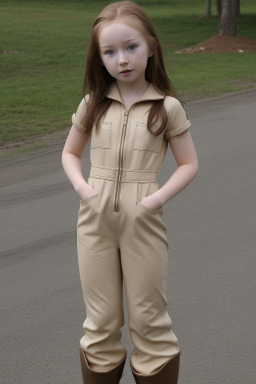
(106, 46)
(125, 41)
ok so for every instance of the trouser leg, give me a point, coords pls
(101, 279)
(102, 291)
(149, 322)
(144, 259)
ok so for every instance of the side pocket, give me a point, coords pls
(87, 213)
(85, 201)
(149, 210)
(145, 190)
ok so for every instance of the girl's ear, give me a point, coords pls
(150, 54)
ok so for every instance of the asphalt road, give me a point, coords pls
(212, 265)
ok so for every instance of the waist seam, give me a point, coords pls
(127, 175)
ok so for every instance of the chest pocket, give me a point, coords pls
(101, 138)
(146, 141)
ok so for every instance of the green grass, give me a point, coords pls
(41, 82)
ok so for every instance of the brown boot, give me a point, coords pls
(91, 377)
(167, 374)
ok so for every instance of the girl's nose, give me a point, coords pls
(122, 59)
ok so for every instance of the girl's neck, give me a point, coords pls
(130, 93)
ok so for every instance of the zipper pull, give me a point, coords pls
(125, 117)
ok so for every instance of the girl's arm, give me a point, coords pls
(71, 161)
(185, 155)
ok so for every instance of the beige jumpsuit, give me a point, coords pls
(121, 240)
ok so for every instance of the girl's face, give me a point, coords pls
(124, 52)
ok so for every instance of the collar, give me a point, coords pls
(150, 94)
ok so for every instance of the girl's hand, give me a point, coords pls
(185, 155)
(71, 160)
(85, 191)
(151, 202)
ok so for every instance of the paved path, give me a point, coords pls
(212, 265)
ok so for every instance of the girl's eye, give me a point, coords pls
(109, 52)
(132, 47)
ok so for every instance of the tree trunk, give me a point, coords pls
(228, 18)
(207, 14)
(219, 7)
(237, 8)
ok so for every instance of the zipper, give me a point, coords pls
(120, 163)
(121, 154)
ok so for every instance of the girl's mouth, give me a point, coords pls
(126, 72)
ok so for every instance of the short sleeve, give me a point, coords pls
(177, 118)
(78, 117)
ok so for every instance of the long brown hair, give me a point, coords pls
(97, 80)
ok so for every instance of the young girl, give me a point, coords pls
(130, 114)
